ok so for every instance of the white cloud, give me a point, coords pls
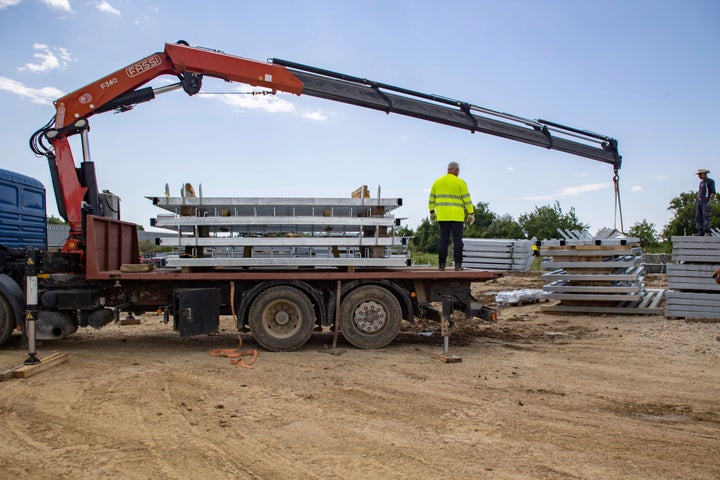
(104, 6)
(636, 188)
(319, 116)
(269, 103)
(59, 4)
(48, 58)
(571, 191)
(8, 3)
(63, 5)
(44, 96)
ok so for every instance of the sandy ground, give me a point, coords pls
(536, 396)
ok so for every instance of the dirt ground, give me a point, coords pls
(536, 396)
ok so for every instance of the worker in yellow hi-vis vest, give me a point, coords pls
(450, 205)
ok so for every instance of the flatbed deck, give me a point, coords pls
(407, 273)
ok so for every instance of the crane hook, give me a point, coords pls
(618, 204)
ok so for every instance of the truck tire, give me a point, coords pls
(7, 320)
(370, 317)
(281, 318)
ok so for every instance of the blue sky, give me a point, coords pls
(644, 72)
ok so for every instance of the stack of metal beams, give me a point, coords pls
(597, 275)
(282, 232)
(693, 292)
(498, 254)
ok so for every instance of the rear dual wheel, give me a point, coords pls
(282, 318)
(370, 317)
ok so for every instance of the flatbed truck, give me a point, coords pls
(50, 294)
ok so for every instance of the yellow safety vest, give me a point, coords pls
(450, 199)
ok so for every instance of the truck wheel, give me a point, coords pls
(370, 317)
(282, 318)
(7, 320)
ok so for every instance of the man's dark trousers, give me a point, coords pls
(703, 209)
(446, 229)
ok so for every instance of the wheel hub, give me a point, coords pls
(281, 318)
(370, 316)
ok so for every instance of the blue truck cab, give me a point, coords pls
(22, 226)
(22, 211)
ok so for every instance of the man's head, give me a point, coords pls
(453, 168)
(702, 172)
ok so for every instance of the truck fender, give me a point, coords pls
(400, 293)
(14, 295)
(247, 297)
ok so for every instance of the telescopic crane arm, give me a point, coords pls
(455, 113)
(76, 188)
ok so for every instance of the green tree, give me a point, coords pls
(404, 231)
(683, 221)
(505, 227)
(544, 222)
(426, 237)
(146, 246)
(645, 231)
(483, 219)
(53, 220)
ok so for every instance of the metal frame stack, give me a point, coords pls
(282, 232)
(655, 262)
(597, 275)
(693, 292)
(498, 254)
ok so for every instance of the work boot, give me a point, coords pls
(699, 234)
(441, 266)
(458, 267)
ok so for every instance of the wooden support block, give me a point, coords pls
(51, 360)
(136, 267)
(446, 358)
(7, 374)
(23, 371)
(130, 321)
(376, 252)
(361, 192)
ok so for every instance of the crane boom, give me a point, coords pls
(364, 93)
(76, 190)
